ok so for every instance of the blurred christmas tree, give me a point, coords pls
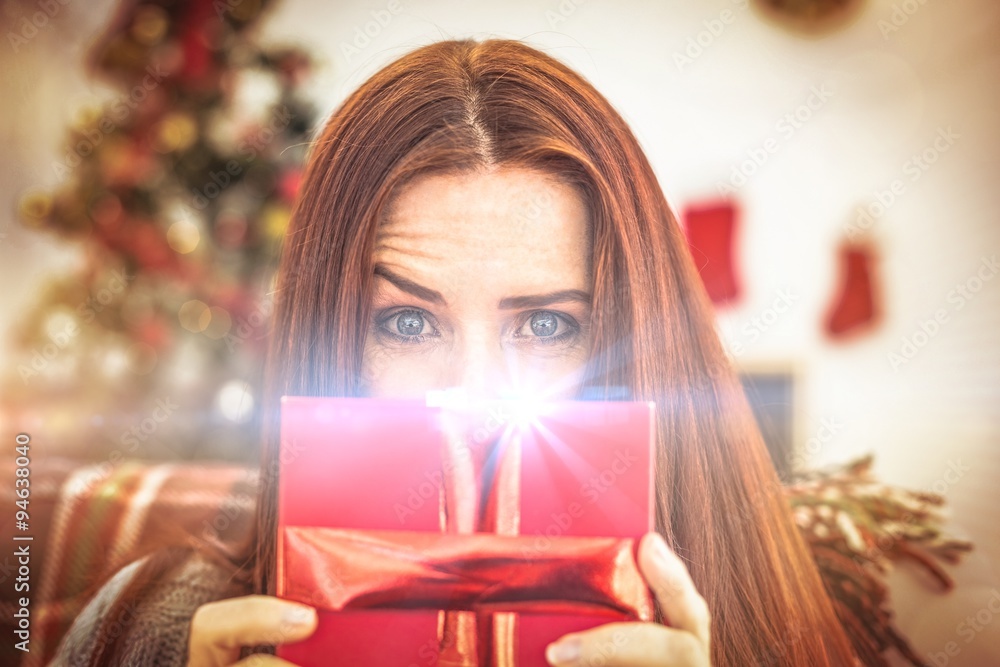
(178, 190)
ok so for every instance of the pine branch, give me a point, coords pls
(857, 530)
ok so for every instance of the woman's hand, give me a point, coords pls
(686, 643)
(219, 629)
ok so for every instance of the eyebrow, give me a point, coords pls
(507, 303)
(409, 286)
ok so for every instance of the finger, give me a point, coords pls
(219, 629)
(263, 660)
(628, 644)
(666, 574)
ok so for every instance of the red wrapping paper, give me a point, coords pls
(480, 572)
(474, 537)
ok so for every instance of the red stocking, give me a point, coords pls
(856, 306)
(710, 229)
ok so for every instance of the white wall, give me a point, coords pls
(889, 93)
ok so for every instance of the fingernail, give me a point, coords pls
(661, 553)
(299, 615)
(564, 652)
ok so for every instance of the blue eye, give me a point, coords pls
(410, 323)
(544, 324)
(544, 327)
(409, 326)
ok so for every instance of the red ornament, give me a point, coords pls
(710, 230)
(288, 185)
(856, 306)
(198, 25)
(154, 332)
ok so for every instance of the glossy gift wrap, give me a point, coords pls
(456, 534)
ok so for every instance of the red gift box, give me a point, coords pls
(440, 534)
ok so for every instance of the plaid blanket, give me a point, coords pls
(90, 520)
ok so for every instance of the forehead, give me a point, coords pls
(486, 218)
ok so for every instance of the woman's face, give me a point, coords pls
(482, 282)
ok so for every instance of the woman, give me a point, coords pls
(476, 214)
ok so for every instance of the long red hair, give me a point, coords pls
(464, 105)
